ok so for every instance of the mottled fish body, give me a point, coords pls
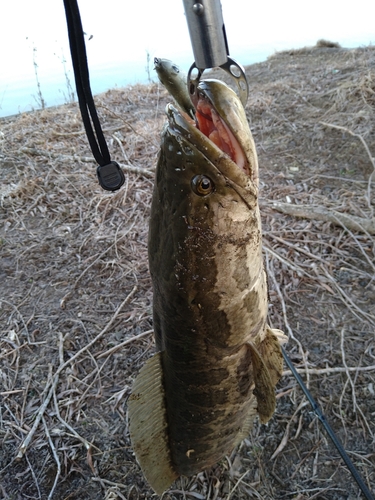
(218, 361)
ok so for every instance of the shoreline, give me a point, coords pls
(98, 76)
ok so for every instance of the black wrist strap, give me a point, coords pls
(110, 175)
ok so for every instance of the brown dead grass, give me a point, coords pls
(75, 305)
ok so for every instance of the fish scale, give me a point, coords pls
(218, 361)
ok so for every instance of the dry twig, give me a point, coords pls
(371, 158)
(42, 409)
(321, 213)
(55, 456)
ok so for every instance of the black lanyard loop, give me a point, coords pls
(110, 175)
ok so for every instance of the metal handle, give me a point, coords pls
(210, 46)
(207, 32)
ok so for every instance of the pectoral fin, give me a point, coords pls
(264, 388)
(270, 351)
(148, 426)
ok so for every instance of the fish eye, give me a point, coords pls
(202, 185)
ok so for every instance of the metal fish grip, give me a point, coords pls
(210, 46)
(233, 68)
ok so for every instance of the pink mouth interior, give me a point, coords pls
(211, 125)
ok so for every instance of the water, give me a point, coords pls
(20, 94)
(120, 33)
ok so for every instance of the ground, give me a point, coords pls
(76, 302)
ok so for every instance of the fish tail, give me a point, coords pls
(148, 426)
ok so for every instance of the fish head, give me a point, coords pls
(222, 118)
(210, 161)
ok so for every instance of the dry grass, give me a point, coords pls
(75, 305)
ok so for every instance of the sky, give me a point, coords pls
(123, 33)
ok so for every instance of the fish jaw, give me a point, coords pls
(228, 112)
(193, 139)
(210, 123)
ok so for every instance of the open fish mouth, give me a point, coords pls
(213, 126)
(222, 125)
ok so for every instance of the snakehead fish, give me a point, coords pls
(217, 360)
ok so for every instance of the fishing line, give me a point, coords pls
(109, 173)
(318, 412)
